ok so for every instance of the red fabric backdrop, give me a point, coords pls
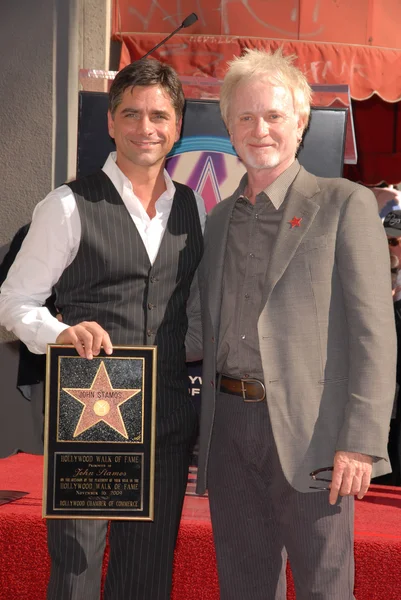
(378, 136)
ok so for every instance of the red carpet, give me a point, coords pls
(24, 563)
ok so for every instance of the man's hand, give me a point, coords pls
(87, 338)
(351, 475)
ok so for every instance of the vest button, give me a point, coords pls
(149, 332)
(151, 306)
(153, 279)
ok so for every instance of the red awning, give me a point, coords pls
(367, 70)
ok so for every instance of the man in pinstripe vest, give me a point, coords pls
(120, 248)
(298, 324)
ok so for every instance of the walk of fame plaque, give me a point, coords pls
(100, 428)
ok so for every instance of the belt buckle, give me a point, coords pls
(243, 390)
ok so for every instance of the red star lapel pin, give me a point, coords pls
(295, 222)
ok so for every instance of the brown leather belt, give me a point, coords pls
(250, 390)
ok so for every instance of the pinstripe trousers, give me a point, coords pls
(141, 553)
(76, 548)
(259, 519)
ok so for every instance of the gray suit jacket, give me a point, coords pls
(326, 333)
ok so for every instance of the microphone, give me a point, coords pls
(190, 20)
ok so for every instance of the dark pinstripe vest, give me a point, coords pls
(111, 280)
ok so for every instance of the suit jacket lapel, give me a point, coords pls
(299, 205)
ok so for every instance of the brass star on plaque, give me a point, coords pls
(101, 403)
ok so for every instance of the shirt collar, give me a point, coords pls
(120, 181)
(276, 191)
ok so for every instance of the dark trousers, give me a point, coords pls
(76, 548)
(141, 553)
(259, 519)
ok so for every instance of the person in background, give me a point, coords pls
(299, 350)
(31, 367)
(141, 234)
(388, 198)
(31, 372)
(394, 267)
(392, 227)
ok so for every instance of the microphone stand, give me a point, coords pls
(192, 18)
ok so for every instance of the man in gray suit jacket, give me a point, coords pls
(299, 350)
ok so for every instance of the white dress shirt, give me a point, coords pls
(51, 245)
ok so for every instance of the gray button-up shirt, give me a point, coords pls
(251, 235)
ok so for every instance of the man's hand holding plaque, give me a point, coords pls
(87, 338)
